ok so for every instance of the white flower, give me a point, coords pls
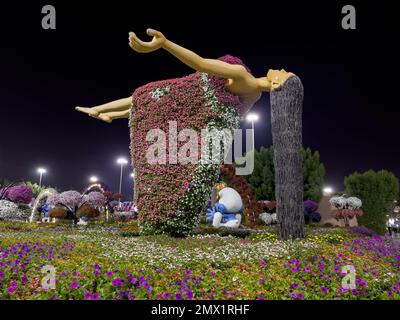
(338, 202)
(354, 203)
(158, 93)
(12, 211)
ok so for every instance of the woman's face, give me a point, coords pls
(278, 77)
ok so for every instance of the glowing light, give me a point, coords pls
(93, 179)
(328, 191)
(132, 174)
(122, 161)
(252, 117)
(41, 170)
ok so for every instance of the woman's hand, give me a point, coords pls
(140, 46)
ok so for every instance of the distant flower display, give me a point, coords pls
(310, 211)
(72, 201)
(346, 208)
(20, 194)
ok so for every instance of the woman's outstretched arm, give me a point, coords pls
(191, 59)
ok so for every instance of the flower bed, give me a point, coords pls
(98, 262)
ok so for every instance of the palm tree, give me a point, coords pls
(286, 120)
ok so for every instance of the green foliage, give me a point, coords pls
(5, 182)
(377, 191)
(313, 175)
(262, 179)
(36, 189)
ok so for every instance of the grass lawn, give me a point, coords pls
(109, 261)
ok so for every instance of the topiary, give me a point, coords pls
(87, 211)
(58, 213)
(377, 191)
(20, 194)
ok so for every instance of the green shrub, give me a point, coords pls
(377, 191)
(262, 180)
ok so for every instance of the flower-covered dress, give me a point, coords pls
(170, 194)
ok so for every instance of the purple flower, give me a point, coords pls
(262, 280)
(20, 194)
(293, 295)
(324, 289)
(263, 262)
(74, 285)
(395, 288)
(109, 274)
(167, 295)
(117, 282)
(294, 285)
(189, 294)
(178, 296)
(91, 296)
(10, 290)
(390, 294)
(336, 269)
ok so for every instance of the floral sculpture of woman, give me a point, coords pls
(170, 196)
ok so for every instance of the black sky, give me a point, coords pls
(350, 112)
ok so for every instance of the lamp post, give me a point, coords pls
(252, 117)
(41, 171)
(121, 162)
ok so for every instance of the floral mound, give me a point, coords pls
(170, 195)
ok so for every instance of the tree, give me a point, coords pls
(377, 191)
(286, 122)
(36, 189)
(313, 175)
(262, 179)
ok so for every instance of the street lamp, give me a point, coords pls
(327, 191)
(41, 171)
(93, 179)
(252, 117)
(121, 162)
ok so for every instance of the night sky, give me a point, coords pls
(351, 109)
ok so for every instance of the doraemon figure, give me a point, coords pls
(227, 212)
